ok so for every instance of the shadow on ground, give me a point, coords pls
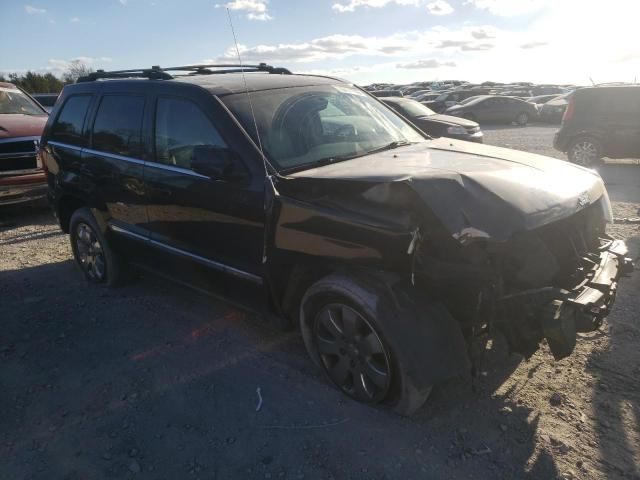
(154, 381)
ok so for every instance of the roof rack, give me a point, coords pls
(158, 73)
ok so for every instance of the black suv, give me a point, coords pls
(391, 251)
(601, 122)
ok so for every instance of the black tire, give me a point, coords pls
(380, 376)
(585, 151)
(93, 254)
(522, 119)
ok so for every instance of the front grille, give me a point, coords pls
(20, 163)
(22, 146)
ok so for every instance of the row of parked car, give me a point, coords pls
(519, 102)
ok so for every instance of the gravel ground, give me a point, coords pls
(155, 381)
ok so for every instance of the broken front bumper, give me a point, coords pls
(560, 313)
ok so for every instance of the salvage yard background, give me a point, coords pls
(155, 381)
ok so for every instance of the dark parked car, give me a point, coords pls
(47, 100)
(448, 99)
(541, 99)
(386, 93)
(601, 122)
(496, 109)
(392, 252)
(434, 124)
(553, 110)
(21, 123)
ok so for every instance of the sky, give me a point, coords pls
(365, 41)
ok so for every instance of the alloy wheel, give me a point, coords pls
(584, 153)
(90, 253)
(352, 353)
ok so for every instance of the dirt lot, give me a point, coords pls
(155, 381)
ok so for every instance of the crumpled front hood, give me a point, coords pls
(477, 191)
(20, 125)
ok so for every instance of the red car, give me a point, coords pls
(22, 120)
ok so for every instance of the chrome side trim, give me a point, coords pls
(32, 138)
(18, 155)
(114, 156)
(161, 166)
(221, 267)
(65, 145)
(171, 168)
(128, 233)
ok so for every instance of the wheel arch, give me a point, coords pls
(426, 342)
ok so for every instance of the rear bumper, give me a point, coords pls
(562, 313)
(22, 188)
(560, 142)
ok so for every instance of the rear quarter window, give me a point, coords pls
(68, 126)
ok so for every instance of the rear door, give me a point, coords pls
(621, 119)
(115, 159)
(218, 223)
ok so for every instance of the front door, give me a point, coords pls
(220, 221)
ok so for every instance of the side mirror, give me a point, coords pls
(214, 162)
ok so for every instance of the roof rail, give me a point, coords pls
(158, 73)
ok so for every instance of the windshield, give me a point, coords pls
(14, 101)
(442, 97)
(305, 126)
(414, 109)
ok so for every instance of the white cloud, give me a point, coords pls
(74, 19)
(421, 64)
(256, 9)
(530, 45)
(31, 10)
(353, 4)
(56, 65)
(511, 8)
(440, 7)
(335, 47)
(124, 2)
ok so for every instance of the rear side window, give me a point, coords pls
(180, 126)
(68, 126)
(118, 125)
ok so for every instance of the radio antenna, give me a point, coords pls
(246, 88)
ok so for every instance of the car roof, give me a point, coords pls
(230, 83)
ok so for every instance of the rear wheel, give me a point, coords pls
(522, 119)
(585, 151)
(93, 254)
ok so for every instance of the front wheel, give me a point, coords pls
(350, 330)
(585, 151)
(93, 254)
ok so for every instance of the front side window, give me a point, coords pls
(301, 127)
(118, 125)
(68, 126)
(13, 101)
(181, 126)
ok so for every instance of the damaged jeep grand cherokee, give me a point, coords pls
(393, 252)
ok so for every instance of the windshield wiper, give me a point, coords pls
(339, 158)
(389, 146)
